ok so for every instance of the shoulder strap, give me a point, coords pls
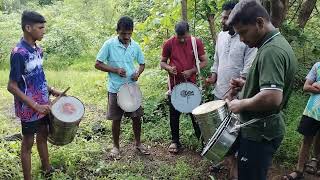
(196, 56)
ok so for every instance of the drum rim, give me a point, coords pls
(140, 92)
(202, 113)
(84, 110)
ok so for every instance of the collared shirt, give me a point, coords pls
(273, 68)
(232, 59)
(115, 54)
(312, 108)
(26, 69)
(181, 56)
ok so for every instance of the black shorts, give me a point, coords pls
(308, 126)
(33, 127)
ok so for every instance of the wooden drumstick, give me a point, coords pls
(57, 98)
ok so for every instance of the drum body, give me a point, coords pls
(222, 140)
(209, 116)
(129, 97)
(65, 117)
(185, 97)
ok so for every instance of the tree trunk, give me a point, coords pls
(305, 12)
(210, 19)
(277, 10)
(184, 10)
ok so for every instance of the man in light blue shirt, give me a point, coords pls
(117, 57)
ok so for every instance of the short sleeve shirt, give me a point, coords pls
(26, 69)
(273, 68)
(181, 56)
(312, 108)
(113, 53)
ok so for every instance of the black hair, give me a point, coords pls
(182, 28)
(229, 5)
(31, 18)
(125, 23)
(246, 12)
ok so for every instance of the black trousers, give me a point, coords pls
(174, 123)
(255, 158)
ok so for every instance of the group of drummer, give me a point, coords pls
(251, 57)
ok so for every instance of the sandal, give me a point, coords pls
(142, 149)
(174, 148)
(48, 173)
(311, 167)
(299, 175)
(115, 153)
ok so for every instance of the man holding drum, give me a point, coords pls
(117, 57)
(179, 60)
(264, 93)
(29, 87)
(232, 59)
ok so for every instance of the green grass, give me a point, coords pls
(84, 158)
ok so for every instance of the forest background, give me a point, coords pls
(76, 29)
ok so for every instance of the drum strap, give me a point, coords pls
(196, 55)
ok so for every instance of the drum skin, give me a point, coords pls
(222, 140)
(185, 97)
(64, 123)
(129, 97)
(209, 116)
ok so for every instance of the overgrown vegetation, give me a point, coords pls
(76, 29)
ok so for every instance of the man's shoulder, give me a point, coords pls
(19, 50)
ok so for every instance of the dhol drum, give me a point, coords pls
(185, 97)
(222, 140)
(65, 117)
(209, 116)
(129, 97)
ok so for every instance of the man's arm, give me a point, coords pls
(105, 68)
(311, 86)
(250, 54)
(164, 65)
(265, 100)
(14, 89)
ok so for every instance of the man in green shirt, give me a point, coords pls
(264, 93)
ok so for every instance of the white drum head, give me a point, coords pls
(68, 109)
(185, 97)
(129, 97)
(208, 107)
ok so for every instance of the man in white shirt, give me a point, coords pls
(232, 58)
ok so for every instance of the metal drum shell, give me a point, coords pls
(221, 141)
(61, 132)
(209, 122)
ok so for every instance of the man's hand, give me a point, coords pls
(43, 109)
(316, 85)
(54, 92)
(172, 70)
(211, 79)
(135, 76)
(234, 105)
(121, 72)
(188, 73)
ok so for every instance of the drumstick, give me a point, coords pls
(227, 91)
(62, 94)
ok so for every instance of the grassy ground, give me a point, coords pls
(87, 156)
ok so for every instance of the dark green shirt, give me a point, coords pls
(274, 67)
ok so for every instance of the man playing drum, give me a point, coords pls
(264, 93)
(117, 57)
(29, 87)
(232, 58)
(179, 60)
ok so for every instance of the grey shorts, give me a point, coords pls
(116, 113)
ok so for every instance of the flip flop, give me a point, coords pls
(115, 153)
(299, 175)
(142, 149)
(48, 173)
(174, 148)
(311, 167)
